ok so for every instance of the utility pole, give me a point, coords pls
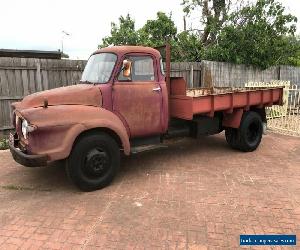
(64, 33)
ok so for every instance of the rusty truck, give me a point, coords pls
(127, 103)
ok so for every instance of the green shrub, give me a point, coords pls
(3, 144)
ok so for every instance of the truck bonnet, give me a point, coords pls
(81, 94)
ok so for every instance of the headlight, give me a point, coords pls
(26, 128)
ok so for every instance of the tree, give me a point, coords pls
(213, 14)
(156, 32)
(259, 34)
(122, 34)
(188, 47)
(295, 58)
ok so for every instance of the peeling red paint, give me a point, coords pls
(127, 109)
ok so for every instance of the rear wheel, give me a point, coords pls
(93, 162)
(249, 134)
(231, 135)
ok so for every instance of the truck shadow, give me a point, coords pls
(43, 179)
(54, 178)
(175, 156)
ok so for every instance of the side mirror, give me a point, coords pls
(126, 68)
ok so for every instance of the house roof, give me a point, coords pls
(31, 53)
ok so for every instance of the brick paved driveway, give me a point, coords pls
(192, 195)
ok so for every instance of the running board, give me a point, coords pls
(140, 149)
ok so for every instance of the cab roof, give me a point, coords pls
(121, 50)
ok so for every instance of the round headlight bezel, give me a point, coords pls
(24, 129)
(27, 128)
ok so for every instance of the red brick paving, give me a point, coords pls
(192, 195)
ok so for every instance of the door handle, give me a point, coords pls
(157, 89)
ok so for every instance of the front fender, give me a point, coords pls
(59, 126)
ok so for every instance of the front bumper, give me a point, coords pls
(25, 159)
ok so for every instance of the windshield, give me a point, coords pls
(99, 68)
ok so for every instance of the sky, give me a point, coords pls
(38, 24)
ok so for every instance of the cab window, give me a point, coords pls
(142, 69)
(99, 68)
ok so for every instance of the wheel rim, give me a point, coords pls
(253, 132)
(96, 163)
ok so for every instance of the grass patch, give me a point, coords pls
(3, 144)
(21, 188)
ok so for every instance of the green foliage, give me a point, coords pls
(213, 13)
(188, 48)
(295, 58)
(155, 32)
(259, 33)
(3, 144)
(122, 34)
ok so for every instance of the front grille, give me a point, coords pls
(14, 119)
(19, 127)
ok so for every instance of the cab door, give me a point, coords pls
(137, 98)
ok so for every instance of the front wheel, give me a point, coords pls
(93, 162)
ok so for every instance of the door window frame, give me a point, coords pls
(116, 80)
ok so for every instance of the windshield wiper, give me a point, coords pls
(87, 82)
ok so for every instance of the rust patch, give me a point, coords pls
(81, 94)
(140, 107)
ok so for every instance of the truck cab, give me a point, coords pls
(133, 87)
(126, 103)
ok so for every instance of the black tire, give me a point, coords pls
(250, 132)
(93, 162)
(231, 135)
